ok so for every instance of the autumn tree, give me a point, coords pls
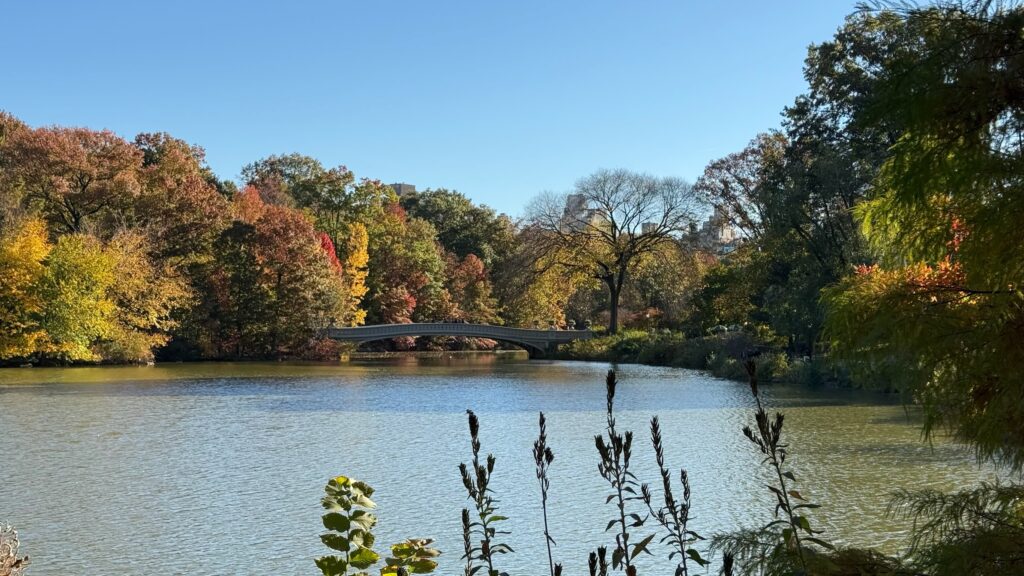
(273, 285)
(80, 179)
(611, 220)
(10, 186)
(145, 293)
(78, 309)
(470, 289)
(179, 207)
(739, 185)
(23, 250)
(354, 271)
(331, 195)
(664, 284)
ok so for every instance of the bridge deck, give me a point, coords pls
(539, 339)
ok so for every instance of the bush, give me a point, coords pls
(721, 354)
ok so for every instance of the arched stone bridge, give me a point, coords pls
(536, 341)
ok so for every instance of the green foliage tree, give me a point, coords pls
(940, 318)
(406, 271)
(332, 196)
(463, 228)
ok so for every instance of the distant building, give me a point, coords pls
(717, 234)
(577, 214)
(402, 189)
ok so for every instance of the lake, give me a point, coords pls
(219, 468)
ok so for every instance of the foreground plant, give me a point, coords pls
(674, 516)
(978, 531)
(543, 457)
(349, 524)
(615, 452)
(414, 556)
(482, 529)
(10, 563)
(780, 547)
(598, 562)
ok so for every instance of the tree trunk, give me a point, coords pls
(613, 305)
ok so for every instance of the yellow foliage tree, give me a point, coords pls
(22, 251)
(355, 268)
(544, 297)
(145, 293)
(75, 289)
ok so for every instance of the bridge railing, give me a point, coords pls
(382, 331)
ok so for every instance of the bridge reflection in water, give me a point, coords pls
(537, 342)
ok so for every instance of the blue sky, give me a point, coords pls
(499, 100)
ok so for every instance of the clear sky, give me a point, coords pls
(499, 100)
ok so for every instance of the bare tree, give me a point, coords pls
(737, 185)
(609, 221)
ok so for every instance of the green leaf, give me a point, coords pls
(331, 565)
(423, 566)
(695, 556)
(802, 522)
(336, 522)
(820, 542)
(641, 546)
(617, 557)
(363, 558)
(364, 519)
(335, 542)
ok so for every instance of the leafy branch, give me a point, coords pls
(674, 516)
(543, 457)
(477, 483)
(768, 439)
(615, 452)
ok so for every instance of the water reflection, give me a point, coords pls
(218, 468)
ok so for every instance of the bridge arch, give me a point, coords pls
(536, 342)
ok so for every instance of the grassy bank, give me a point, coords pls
(720, 354)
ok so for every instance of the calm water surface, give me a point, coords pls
(219, 468)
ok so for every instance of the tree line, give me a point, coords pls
(128, 251)
(122, 251)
